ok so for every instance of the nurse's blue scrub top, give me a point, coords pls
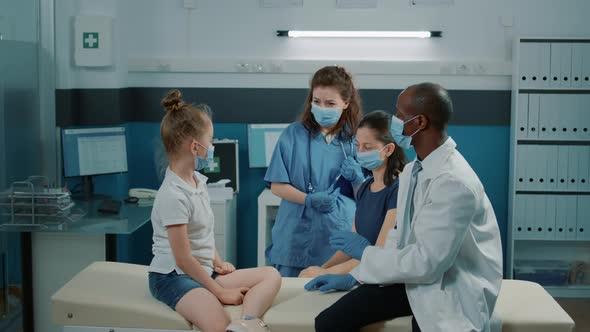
(300, 235)
(371, 208)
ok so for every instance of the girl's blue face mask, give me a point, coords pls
(370, 159)
(325, 116)
(397, 132)
(201, 162)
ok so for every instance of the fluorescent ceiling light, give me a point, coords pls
(357, 34)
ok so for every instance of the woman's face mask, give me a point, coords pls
(325, 117)
(370, 160)
(327, 105)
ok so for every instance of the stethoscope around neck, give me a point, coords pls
(310, 187)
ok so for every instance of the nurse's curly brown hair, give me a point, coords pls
(340, 79)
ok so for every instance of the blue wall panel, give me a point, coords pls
(486, 148)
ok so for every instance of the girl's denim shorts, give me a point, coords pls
(170, 288)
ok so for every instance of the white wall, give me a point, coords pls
(227, 32)
(69, 76)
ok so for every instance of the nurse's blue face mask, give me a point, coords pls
(201, 162)
(325, 116)
(397, 132)
(370, 159)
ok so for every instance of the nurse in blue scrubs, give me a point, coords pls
(313, 170)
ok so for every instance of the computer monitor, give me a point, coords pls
(93, 151)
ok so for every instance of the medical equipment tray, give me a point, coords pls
(32, 203)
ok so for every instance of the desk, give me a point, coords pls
(59, 252)
(268, 206)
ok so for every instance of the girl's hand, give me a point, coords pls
(232, 296)
(223, 268)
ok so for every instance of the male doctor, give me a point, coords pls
(442, 263)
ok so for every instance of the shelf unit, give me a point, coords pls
(549, 200)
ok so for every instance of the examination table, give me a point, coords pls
(109, 296)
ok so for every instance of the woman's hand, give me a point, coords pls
(312, 272)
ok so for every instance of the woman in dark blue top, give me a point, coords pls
(377, 196)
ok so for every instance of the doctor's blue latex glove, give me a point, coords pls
(352, 171)
(350, 243)
(329, 282)
(323, 201)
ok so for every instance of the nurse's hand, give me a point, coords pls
(232, 296)
(323, 201)
(330, 282)
(351, 243)
(352, 171)
(312, 272)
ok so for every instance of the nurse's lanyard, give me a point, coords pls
(310, 187)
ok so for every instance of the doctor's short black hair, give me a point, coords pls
(434, 101)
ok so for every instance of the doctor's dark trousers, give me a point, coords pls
(363, 306)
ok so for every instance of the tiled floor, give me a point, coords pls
(579, 310)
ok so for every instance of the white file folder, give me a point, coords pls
(552, 158)
(561, 217)
(530, 171)
(533, 120)
(577, 56)
(531, 214)
(584, 116)
(566, 65)
(535, 65)
(562, 118)
(540, 215)
(519, 226)
(522, 114)
(583, 218)
(525, 65)
(555, 68)
(521, 165)
(549, 116)
(577, 117)
(544, 56)
(572, 172)
(583, 168)
(571, 202)
(562, 167)
(586, 66)
(554, 120)
(549, 220)
(542, 176)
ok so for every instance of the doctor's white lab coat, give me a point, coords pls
(450, 255)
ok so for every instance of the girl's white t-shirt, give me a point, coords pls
(178, 203)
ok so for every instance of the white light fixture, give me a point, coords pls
(357, 34)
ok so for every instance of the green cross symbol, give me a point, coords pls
(90, 39)
(215, 166)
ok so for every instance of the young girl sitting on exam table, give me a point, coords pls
(187, 273)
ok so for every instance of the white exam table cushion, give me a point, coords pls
(108, 294)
